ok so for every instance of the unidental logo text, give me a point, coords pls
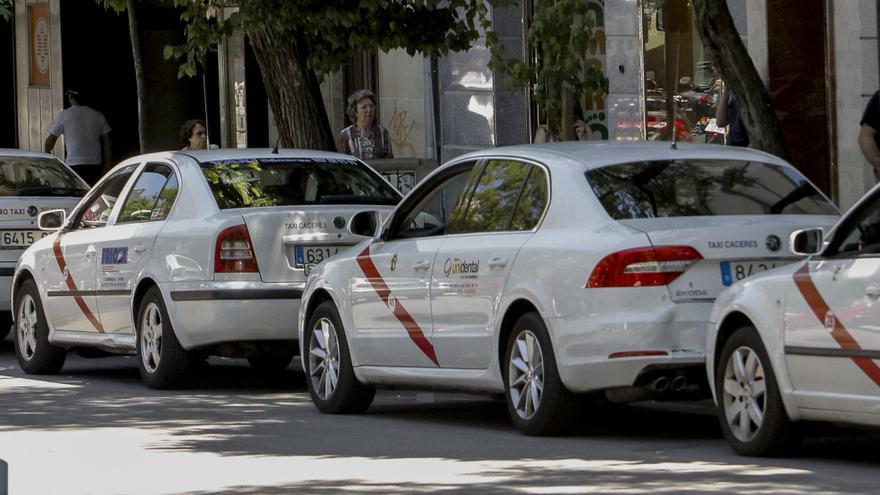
(455, 266)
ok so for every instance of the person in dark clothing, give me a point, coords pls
(869, 138)
(727, 114)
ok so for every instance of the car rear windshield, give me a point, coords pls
(256, 183)
(36, 176)
(688, 188)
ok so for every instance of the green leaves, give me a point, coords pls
(6, 9)
(562, 36)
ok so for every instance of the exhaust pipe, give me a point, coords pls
(678, 383)
(660, 384)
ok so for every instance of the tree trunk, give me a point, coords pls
(729, 55)
(293, 91)
(138, 72)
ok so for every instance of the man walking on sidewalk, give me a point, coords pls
(85, 132)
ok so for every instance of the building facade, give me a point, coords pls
(818, 58)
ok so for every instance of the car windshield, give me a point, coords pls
(687, 188)
(264, 182)
(37, 176)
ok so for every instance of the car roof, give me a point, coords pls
(25, 153)
(592, 155)
(246, 153)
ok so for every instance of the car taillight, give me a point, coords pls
(643, 267)
(234, 253)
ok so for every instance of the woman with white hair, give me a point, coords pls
(365, 138)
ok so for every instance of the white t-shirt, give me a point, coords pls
(82, 128)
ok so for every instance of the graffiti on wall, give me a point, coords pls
(400, 127)
(594, 100)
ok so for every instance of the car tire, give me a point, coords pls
(35, 354)
(162, 362)
(746, 383)
(5, 323)
(330, 377)
(547, 408)
(271, 361)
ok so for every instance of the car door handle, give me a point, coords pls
(499, 262)
(422, 265)
(140, 248)
(873, 291)
(90, 251)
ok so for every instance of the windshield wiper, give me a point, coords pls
(354, 199)
(49, 191)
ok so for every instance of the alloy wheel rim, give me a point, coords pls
(26, 326)
(526, 375)
(744, 393)
(324, 358)
(151, 337)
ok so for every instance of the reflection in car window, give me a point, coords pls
(684, 188)
(100, 203)
(532, 201)
(433, 213)
(141, 202)
(864, 236)
(490, 206)
(166, 199)
(263, 182)
(32, 176)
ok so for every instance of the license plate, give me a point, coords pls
(307, 257)
(734, 271)
(19, 239)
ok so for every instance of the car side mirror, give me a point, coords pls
(364, 224)
(807, 241)
(51, 220)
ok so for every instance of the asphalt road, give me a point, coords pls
(96, 428)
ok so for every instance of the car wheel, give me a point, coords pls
(271, 361)
(537, 400)
(5, 323)
(750, 408)
(36, 355)
(163, 363)
(332, 384)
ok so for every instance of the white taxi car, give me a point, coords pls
(802, 342)
(179, 255)
(30, 183)
(546, 271)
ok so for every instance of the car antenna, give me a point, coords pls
(275, 148)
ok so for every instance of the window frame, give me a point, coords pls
(845, 226)
(75, 219)
(142, 170)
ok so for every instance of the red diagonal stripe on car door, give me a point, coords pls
(412, 328)
(62, 264)
(844, 339)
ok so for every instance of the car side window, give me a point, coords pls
(491, 206)
(99, 204)
(532, 202)
(863, 235)
(143, 202)
(433, 213)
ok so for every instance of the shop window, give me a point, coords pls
(679, 78)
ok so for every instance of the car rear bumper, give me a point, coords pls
(220, 312)
(600, 350)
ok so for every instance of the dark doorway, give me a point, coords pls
(797, 34)
(96, 56)
(256, 102)
(8, 121)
